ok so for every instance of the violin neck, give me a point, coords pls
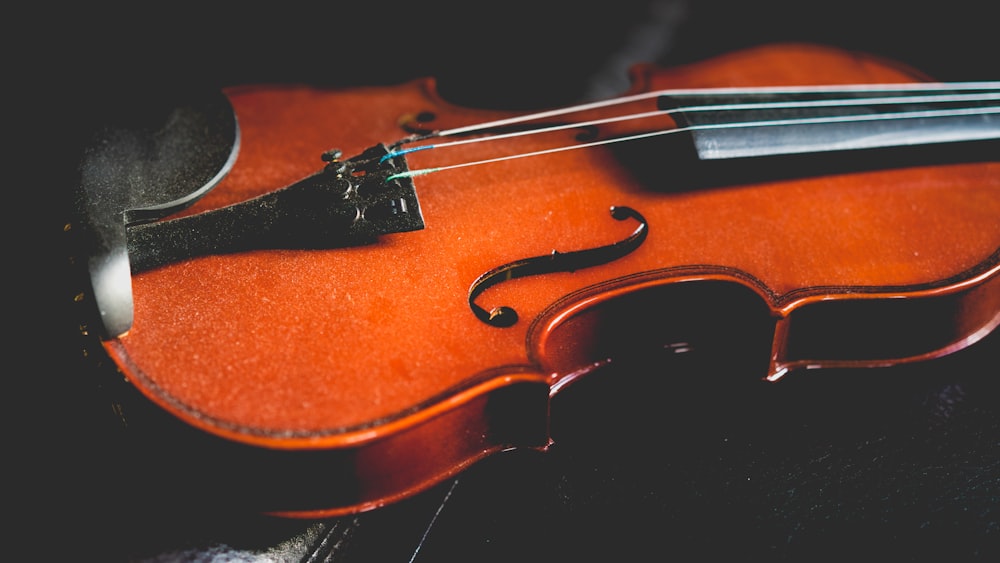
(766, 122)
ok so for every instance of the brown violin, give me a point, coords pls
(374, 319)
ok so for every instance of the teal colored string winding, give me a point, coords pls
(412, 173)
(400, 152)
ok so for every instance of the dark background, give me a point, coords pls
(901, 463)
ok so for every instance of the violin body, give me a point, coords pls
(362, 370)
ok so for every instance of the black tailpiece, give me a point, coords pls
(348, 203)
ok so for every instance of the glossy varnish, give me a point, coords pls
(372, 352)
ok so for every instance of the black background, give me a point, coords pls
(901, 463)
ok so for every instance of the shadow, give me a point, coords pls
(670, 164)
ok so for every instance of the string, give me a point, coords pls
(847, 88)
(953, 98)
(762, 123)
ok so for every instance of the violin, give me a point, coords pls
(372, 289)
